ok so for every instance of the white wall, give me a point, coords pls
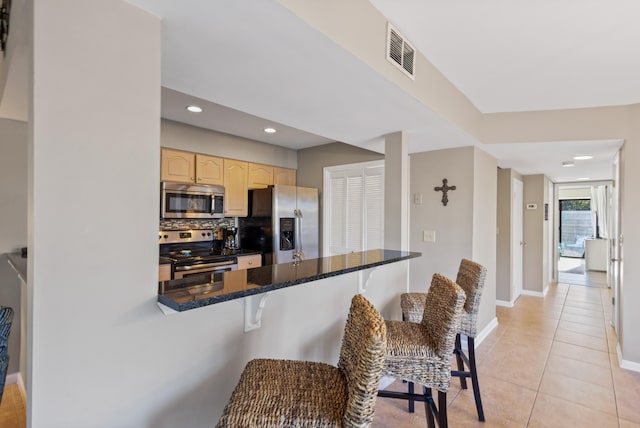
(97, 355)
(13, 227)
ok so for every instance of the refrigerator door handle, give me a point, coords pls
(298, 255)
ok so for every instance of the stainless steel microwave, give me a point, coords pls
(188, 201)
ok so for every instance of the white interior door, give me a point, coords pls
(517, 214)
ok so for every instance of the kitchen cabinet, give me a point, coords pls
(187, 167)
(236, 190)
(164, 272)
(177, 166)
(248, 262)
(209, 170)
(260, 176)
(284, 176)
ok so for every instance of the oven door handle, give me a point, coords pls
(205, 266)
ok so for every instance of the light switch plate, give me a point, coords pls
(417, 198)
(429, 236)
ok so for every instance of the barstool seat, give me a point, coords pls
(470, 278)
(285, 393)
(422, 353)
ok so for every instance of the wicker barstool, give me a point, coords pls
(6, 319)
(422, 352)
(471, 276)
(283, 393)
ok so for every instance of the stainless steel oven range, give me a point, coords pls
(193, 252)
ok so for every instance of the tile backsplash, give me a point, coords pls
(186, 224)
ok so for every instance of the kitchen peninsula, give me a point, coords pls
(207, 289)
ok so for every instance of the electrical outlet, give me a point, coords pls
(429, 236)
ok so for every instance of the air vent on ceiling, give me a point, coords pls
(400, 52)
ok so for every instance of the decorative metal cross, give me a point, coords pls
(444, 189)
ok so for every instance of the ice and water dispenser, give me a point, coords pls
(287, 233)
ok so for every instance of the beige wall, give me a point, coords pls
(503, 241)
(190, 138)
(601, 123)
(504, 244)
(312, 161)
(536, 234)
(485, 188)
(574, 192)
(453, 224)
(13, 227)
(465, 227)
(630, 205)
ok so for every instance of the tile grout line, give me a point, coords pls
(613, 380)
(548, 356)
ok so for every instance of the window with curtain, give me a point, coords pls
(600, 212)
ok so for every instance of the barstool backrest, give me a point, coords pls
(471, 276)
(442, 312)
(362, 360)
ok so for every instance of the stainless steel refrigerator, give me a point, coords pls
(282, 223)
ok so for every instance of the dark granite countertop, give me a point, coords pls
(208, 289)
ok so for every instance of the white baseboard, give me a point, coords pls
(493, 324)
(533, 293)
(13, 378)
(505, 303)
(628, 365)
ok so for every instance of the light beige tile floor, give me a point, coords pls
(551, 362)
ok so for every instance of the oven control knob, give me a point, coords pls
(208, 233)
(166, 236)
(203, 234)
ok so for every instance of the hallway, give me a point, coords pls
(572, 271)
(551, 362)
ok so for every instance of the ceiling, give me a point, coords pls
(248, 72)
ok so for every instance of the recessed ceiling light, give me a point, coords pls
(583, 157)
(583, 178)
(194, 109)
(269, 130)
(568, 164)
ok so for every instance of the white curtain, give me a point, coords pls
(600, 210)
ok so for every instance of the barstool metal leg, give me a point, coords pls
(442, 409)
(411, 402)
(474, 378)
(458, 351)
(428, 408)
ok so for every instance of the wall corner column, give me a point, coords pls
(396, 202)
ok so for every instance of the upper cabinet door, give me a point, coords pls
(177, 166)
(236, 190)
(209, 170)
(284, 176)
(260, 176)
